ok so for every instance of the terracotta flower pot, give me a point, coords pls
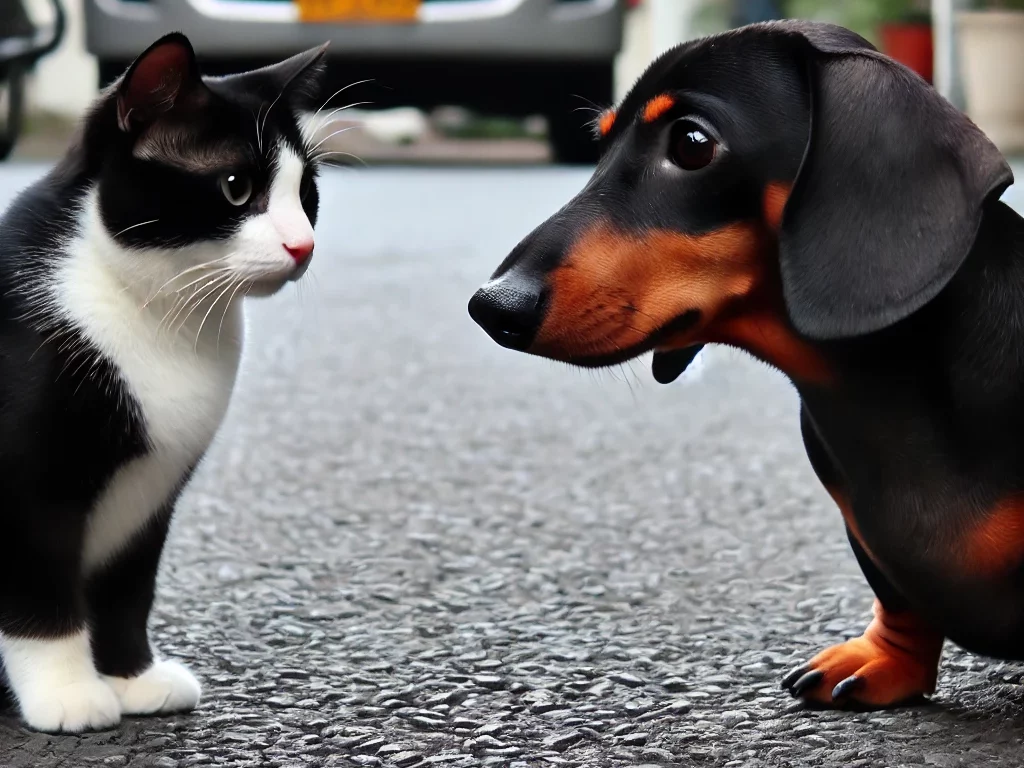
(992, 67)
(911, 45)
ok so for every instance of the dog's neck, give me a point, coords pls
(978, 319)
(763, 330)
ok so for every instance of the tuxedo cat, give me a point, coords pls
(121, 278)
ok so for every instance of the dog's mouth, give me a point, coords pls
(668, 363)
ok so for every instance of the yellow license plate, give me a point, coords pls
(380, 11)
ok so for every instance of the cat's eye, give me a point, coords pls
(237, 188)
(692, 146)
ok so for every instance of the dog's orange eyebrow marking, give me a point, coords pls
(995, 545)
(605, 122)
(657, 107)
(776, 194)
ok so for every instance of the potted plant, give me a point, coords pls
(901, 29)
(905, 29)
(991, 47)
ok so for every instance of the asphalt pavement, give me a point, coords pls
(410, 547)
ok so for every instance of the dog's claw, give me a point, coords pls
(789, 680)
(846, 687)
(807, 681)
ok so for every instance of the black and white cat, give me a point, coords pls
(121, 277)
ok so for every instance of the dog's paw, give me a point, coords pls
(860, 673)
(90, 705)
(894, 662)
(165, 687)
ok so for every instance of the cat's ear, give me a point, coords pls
(299, 76)
(163, 76)
(303, 70)
(294, 82)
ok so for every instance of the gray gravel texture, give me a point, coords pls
(410, 547)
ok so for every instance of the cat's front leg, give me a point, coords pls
(120, 596)
(44, 639)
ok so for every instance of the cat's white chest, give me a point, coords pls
(181, 385)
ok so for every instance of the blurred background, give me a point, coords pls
(473, 81)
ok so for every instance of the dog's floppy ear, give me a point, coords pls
(889, 196)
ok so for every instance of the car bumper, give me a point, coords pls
(492, 29)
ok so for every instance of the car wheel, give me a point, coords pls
(12, 103)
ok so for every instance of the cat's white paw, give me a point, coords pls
(55, 683)
(86, 706)
(165, 687)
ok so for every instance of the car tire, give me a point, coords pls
(571, 115)
(10, 123)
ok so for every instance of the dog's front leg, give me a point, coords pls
(894, 662)
(896, 659)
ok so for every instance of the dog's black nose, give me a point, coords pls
(510, 314)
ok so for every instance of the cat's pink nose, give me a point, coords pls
(300, 251)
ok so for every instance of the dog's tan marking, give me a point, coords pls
(616, 290)
(606, 122)
(657, 107)
(761, 328)
(995, 545)
(776, 194)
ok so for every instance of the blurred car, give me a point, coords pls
(500, 57)
(21, 46)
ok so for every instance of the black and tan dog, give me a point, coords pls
(786, 189)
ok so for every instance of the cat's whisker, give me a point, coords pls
(347, 106)
(133, 226)
(196, 268)
(224, 312)
(202, 323)
(166, 320)
(195, 300)
(185, 297)
(259, 135)
(194, 304)
(326, 119)
(163, 324)
(329, 136)
(340, 91)
(200, 279)
(322, 155)
(269, 109)
(222, 271)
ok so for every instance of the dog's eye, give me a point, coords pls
(692, 147)
(237, 188)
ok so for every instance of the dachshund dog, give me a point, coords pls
(786, 189)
